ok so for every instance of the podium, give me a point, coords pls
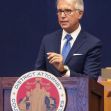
(107, 93)
(82, 94)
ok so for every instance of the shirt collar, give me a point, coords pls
(73, 34)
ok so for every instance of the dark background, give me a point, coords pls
(24, 22)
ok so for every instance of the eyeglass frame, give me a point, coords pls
(65, 11)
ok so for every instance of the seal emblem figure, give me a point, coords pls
(38, 91)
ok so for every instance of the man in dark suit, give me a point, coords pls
(70, 51)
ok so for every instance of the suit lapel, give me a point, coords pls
(77, 44)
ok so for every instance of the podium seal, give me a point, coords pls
(38, 91)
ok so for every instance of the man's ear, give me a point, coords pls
(80, 14)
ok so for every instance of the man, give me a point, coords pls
(71, 51)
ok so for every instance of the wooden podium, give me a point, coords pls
(82, 94)
(107, 93)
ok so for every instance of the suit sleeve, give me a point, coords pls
(92, 65)
(40, 62)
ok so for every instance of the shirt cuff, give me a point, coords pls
(67, 74)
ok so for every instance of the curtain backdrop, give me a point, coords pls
(23, 24)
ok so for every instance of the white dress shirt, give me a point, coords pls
(63, 41)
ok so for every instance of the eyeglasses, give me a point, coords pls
(65, 11)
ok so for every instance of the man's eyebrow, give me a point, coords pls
(64, 9)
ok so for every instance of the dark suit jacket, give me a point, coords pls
(84, 57)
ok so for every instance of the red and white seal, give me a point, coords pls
(38, 91)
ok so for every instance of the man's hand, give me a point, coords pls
(56, 60)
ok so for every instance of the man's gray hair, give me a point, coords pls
(79, 4)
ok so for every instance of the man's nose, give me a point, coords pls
(63, 14)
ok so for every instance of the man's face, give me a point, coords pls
(68, 16)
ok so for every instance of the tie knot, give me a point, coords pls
(68, 37)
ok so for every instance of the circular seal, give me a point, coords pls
(38, 91)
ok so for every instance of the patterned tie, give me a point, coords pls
(66, 47)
